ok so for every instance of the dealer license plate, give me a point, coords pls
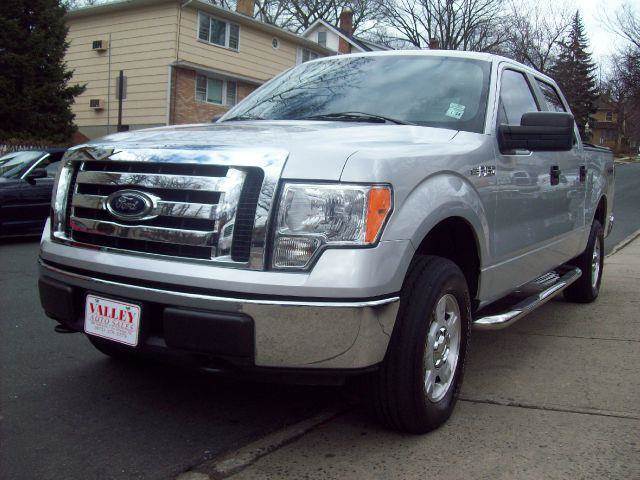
(112, 319)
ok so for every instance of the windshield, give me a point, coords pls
(432, 91)
(12, 165)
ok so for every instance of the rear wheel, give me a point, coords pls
(591, 262)
(416, 387)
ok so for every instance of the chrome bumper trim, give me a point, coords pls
(288, 333)
(292, 303)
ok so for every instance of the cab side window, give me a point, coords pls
(516, 98)
(551, 97)
(51, 164)
(52, 168)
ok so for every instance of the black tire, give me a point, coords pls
(585, 289)
(113, 350)
(399, 398)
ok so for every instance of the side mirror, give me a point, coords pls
(538, 131)
(35, 174)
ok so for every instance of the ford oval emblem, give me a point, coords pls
(129, 204)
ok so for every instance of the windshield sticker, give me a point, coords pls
(455, 111)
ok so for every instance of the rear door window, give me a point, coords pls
(516, 98)
(551, 97)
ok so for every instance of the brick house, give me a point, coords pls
(182, 61)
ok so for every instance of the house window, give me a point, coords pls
(216, 90)
(322, 38)
(218, 32)
(609, 116)
(304, 55)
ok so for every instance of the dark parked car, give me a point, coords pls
(26, 181)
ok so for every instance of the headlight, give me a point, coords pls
(311, 217)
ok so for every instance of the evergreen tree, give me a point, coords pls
(35, 98)
(574, 72)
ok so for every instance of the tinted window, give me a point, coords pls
(53, 163)
(516, 98)
(430, 91)
(12, 165)
(551, 97)
(50, 163)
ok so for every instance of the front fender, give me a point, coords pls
(436, 198)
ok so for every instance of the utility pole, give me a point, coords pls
(121, 127)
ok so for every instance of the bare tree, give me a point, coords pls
(536, 31)
(298, 15)
(624, 22)
(455, 24)
(623, 84)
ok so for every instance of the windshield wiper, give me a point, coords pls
(244, 117)
(357, 117)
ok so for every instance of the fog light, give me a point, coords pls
(294, 252)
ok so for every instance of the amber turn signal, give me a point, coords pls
(378, 208)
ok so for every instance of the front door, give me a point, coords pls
(31, 204)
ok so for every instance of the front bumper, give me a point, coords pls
(251, 331)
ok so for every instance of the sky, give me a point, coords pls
(602, 42)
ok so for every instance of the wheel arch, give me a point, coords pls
(600, 213)
(455, 239)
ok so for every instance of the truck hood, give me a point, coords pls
(317, 149)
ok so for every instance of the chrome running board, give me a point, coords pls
(510, 315)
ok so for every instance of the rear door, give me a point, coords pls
(571, 190)
(529, 217)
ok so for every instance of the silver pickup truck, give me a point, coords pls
(357, 215)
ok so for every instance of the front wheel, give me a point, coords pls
(416, 387)
(591, 262)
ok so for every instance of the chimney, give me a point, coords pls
(245, 7)
(434, 44)
(346, 20)
(346, 24)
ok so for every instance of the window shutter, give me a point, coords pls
(201, 88)
(234, 36)
(232, 93)
(203, 27)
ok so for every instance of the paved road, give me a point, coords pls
(68, 412)
(627, 203)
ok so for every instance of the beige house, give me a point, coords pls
(182, 61)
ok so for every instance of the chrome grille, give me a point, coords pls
(206, 202)
(186, 214)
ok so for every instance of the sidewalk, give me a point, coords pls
(556, 396)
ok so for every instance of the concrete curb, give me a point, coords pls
(624, 243)
(237, 460)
